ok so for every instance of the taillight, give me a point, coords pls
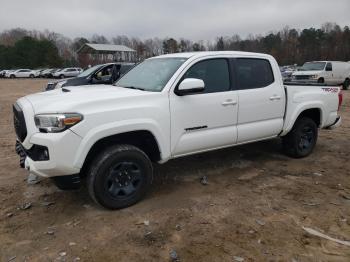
(340, 99)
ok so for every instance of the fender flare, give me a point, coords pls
(299, 109)
(96, 134)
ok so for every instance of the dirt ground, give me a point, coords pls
(253, 209)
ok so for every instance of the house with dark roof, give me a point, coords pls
(92, 54)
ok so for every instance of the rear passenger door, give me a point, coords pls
(261, 99)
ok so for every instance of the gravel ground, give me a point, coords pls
(253, 208)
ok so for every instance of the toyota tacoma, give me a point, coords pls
(166, 107)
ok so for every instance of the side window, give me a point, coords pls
(253, 73)
(329, 67)
(213, 72)
(106, 71)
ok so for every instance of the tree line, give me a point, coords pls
(33, 49)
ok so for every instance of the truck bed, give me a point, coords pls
(310, 96)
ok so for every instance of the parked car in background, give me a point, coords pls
(98, 74)
(67, 72)
(8, 72)
(325, 72)
(44, 72)
(164, 108)
(51, 73)
(21, 73)
(287, 72)
(3, 73)
(37, 72)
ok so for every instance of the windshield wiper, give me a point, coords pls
(133, 87)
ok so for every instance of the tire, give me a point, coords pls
(12, 76)
(301, 140)
(31, 76)
(119, 177)
(346, 84)
(62, 76)
(320, 80)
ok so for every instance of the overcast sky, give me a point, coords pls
(193, 19)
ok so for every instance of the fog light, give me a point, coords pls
(39, 153)
(43, 155)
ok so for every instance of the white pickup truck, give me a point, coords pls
(166, 107)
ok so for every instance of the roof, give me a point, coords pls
(213, 53)
(104, 48)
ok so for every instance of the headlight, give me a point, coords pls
(314, 76)
(54, 123)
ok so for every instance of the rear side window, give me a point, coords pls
(213, 72)
(253, 73)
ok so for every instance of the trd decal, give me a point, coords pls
(330, 89)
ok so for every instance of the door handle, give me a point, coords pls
(275, 97)
(229, 102)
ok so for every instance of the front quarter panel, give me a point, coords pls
(149, 112)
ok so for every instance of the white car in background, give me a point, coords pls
(37, 72)
(8, 72)
(3, 73)
(324, 72)
(20, 73)
(68, 72)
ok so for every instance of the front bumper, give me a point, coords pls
(61, 150)
(336, 124)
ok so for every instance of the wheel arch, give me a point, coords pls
(142, 139)
(321, 79)
(313, 112)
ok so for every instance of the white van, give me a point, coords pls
(328, 72)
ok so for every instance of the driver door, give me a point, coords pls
(205, 120)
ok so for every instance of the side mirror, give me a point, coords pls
(190, 86)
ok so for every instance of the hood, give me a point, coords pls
(306, 73)
(79, 98)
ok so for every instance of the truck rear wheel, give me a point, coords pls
(120, 177)
(301, 140)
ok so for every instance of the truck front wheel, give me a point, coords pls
(120, 176)
(301, 140)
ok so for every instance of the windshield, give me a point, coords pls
(313, 66)
(152, 74)
(89, 71)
